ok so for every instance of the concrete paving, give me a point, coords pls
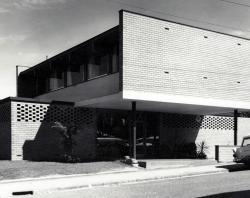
(177, 163)
(54, 183)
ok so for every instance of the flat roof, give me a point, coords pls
(116, 101)
(36, 100)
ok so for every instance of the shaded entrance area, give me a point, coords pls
(106, 133)
(147, 137)
(160, 135)
(179, 127)
(115, 134)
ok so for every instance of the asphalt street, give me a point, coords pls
(232, 184)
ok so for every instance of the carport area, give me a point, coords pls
(157, 129)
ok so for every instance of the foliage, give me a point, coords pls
(112, 149)
(184, 150)
(201, 150)
(68, 142)
(190, 149)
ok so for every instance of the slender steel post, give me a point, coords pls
(130, 137)
(134, 128)
(235, 127)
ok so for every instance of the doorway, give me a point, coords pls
(147, 138)
(141, 142)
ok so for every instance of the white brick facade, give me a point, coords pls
(183, 62)
(32, 135)
(22, 131)
(213, 130)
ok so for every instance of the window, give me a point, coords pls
(75, 74)
(58, 71)
(246, 142)
(114, 55)
(42, 81)
(56, 79)
(98, 66)
(103, 55)
(76, 67)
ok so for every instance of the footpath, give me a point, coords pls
(35, 186)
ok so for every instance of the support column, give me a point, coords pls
(134, 128)
(235, 126)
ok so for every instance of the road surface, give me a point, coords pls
(232, 184)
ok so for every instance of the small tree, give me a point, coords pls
(201, 150)
(68, 142)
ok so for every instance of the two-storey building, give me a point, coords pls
(150, 84)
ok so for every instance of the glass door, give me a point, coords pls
(141, 144)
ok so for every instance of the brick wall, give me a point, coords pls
(161, 57)
(5, 131)
(214, 130)
(225, 153)
(26, 133)
(33, 137)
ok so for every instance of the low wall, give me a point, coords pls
(177, 129)
(224, 153)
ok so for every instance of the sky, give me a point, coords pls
(30, 30)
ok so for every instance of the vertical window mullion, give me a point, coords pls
(85, 70)
(110, 65)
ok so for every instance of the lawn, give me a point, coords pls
(28, 169)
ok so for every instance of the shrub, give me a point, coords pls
(190, 149)
(68, 142)
(184, 150)
(201, 150)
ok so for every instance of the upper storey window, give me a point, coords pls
(92, 59)
(42, 80)
(98, 66)
(104, 56)
(76, 70)
(57, 73)
(114, 57)
(75, 74)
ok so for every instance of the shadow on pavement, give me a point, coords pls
(245, 193)
(235, 167)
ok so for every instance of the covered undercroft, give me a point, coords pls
(160, 135)
(156, 128)
(27, 133)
